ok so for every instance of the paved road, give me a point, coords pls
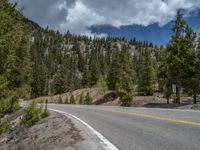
(141, 128)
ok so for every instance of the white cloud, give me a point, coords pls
(79, 15)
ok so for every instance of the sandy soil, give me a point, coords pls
(53, 133)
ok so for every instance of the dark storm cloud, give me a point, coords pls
(79, 15)
(46, 12)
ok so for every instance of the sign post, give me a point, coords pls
(174, 91)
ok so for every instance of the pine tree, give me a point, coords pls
(174, 49)
(124, 84)
(86, 81)
(146, 75)
(167, 90)
(94, 68)
(81, 99)
(72, 99)
(16, 64)
(88, 99)
(73, 79)
(163, 80)
(191, 65)
(60, 81)
(39, 78)
(81, 61)
(162, 70)
(4, 90)
(114, 71)
(66, 100)
(60, 100)
(101, 83)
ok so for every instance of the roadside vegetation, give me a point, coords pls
(33, 114)
(88, 99)
(28, 116)
(7, 107)
(84, 99)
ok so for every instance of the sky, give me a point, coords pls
(110, 17)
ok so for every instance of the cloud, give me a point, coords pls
(50, 13)
(79, 15)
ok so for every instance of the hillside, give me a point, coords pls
(47, 62)
(99, 97)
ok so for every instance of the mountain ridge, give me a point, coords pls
(159, 35)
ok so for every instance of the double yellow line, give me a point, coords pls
(156, 117)
(163, 118)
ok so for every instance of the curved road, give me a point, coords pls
(141, 128)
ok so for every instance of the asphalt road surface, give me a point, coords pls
(141, 128)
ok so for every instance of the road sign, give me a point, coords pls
(174, 88)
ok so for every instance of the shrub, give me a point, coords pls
(88, 99)
(81, 99)
(5, 126)
(8, 105)
(31, 115)
(60, 100)
(66, 100)
(125, 96)
(41, 101)
(1, 127)
(45, 113)
(24, 92)
(101, 83)
(72, 100)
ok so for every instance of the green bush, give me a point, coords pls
(32, 114)
(81, 99)
(24, 92)
(72, 100)
(125, 95)
(88, 99)
(45, 113)
(60, 100)
(8, 105)
(41, 101)
(66, 100)
(101, 83)
(5, 126)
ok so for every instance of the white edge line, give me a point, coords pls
(106, 143)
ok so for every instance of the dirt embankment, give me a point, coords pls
(99, 96)
(103, 97)
(55, 132)
(158, 101)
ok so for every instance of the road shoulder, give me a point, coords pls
(93, 139)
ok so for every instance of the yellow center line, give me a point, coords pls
(156, 117)
(165, 119)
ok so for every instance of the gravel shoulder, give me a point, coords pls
(57, 132)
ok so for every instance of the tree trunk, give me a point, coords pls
(177, 99)
(195, 96)
(46, 105)
(167, 100)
